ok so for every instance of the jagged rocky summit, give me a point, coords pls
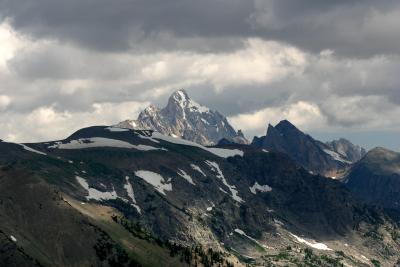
(187, 119)
(331, 159)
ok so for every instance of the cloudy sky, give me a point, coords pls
(330, 67)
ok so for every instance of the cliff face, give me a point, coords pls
(185, 118)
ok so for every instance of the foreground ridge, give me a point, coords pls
(123, 197)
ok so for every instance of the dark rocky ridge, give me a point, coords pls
(376, 179)
(309, 153)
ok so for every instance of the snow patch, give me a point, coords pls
(210, 208)
(262, 188)
(117, 129)
(194, 106)
(13, 238)
(197, 168)
(94, 193)
(220, 152)
(100, 142)
(319, 246)
(215, 167)
(55, 145)
(32, 150)
(241, 232)
(185, 176)
(156, 180)
(129, 190)
(336, 156)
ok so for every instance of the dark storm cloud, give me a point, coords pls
(75, 62)
(352, 28)
(121, 25)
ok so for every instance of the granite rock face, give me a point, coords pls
(185, 118)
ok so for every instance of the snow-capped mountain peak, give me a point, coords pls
(183, 117)
(182, 100)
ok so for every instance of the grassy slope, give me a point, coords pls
(61, 233)
(147, 253)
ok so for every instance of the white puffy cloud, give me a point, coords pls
(303, 114)
(46, 123)
(49, 88)
(4, 102)
(10, 43)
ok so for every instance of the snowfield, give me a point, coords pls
(32, 150)
(319, 246)
(83, 143)
(156, 180)
(220, 152)
(336, 156)
(94, 193)
(215, 167)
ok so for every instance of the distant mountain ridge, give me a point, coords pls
(347, 149)
(185, 118)
(330, 159)
(376, 179)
